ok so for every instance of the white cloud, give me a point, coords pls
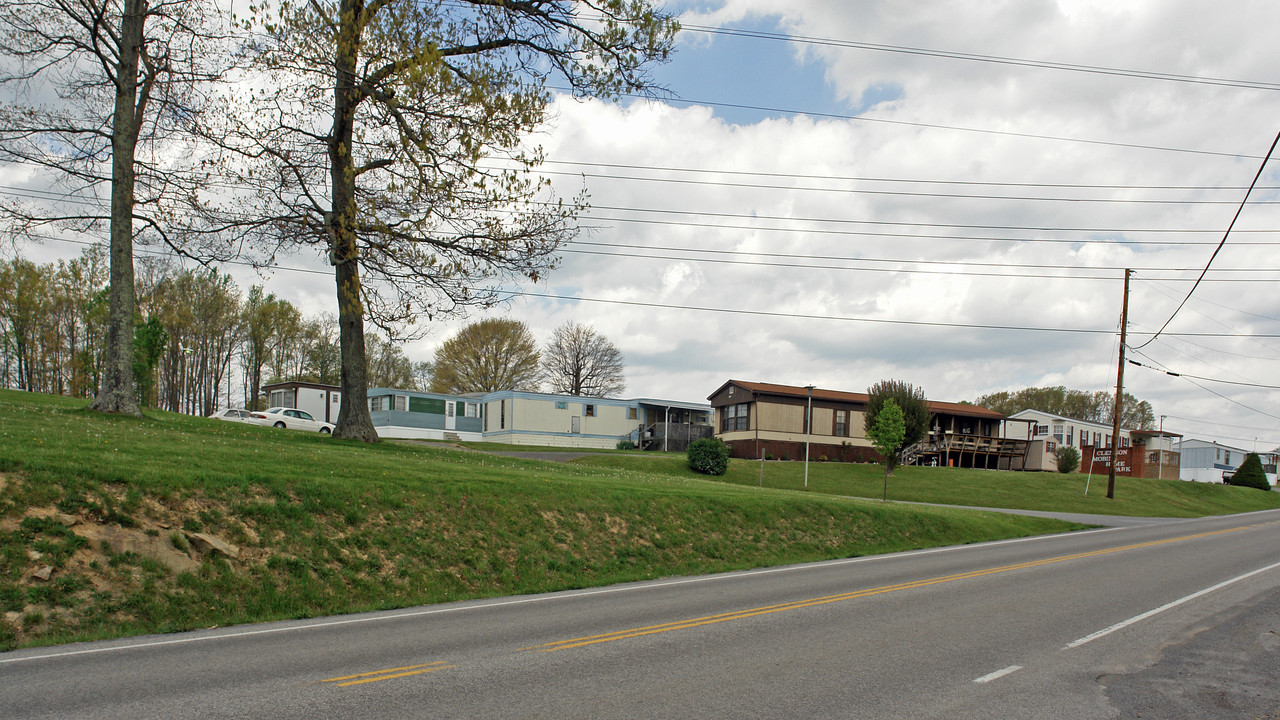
(687, 354)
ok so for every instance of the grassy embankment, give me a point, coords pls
(112, 510)
(986, 488)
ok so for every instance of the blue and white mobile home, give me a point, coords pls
(419, 415)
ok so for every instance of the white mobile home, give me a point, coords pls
(322, 401)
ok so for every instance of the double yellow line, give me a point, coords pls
(410, 670)
(811, 602)
(388, 674)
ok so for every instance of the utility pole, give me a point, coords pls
(1115, 415)
(1160, 461)
(808, 420)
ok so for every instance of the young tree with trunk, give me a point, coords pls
(89, 84)
(487, 356)
(910, 401)
(888, 432)
(391, 136)
(580, 361)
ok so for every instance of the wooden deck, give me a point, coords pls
(972, 451)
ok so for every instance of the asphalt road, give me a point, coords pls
(1166, 620)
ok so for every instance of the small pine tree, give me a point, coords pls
(1068, 458)
(1250, 474)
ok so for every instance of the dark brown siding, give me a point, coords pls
(783, 450)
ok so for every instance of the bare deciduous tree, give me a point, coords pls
(580, 361)
(88, 84)
(391, 135)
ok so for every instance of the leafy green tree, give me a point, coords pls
(910, 401)
(1250, 474)
(1067, 458)
(149, 339)
(1095, 407)
(393, 136)
(888, 433)
(486, 356)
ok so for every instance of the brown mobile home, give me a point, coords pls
(762, 420)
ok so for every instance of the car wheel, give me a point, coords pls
(279, 425)
(324, 430)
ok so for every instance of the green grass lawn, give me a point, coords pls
(504, 447)
(983, 488)
(109, 504)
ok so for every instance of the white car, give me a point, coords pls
(283, 417)
(234, 415)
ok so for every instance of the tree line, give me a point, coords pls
(199, 342)
(1098, 406)
(391, 138)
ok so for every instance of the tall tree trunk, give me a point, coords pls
(117, 393)
(353, 418)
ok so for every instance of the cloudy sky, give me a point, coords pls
(947, 193)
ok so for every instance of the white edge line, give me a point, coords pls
(471, 605)
(998, 674)
(1166, 606)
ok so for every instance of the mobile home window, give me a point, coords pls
(842, 423)
(1042, 430)
(402, 403)
(472, 409)
(562, 405)
(589, 410)
(631, 413)
(735, 418)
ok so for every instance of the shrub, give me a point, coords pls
(625, 445)
(709, 456)
(1250, 474)
(1068, 458)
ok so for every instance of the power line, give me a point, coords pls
(1227, 307)
(1231, 400)
(46, 195)
(933, 126)
(900, 193)
(867, 233)
(732, 311)
(776, 264)
(1225, 235)
(1205, 422)
(963, 226)
(1199, 377)
(846, 258)
(921, 181)
(990, 59)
